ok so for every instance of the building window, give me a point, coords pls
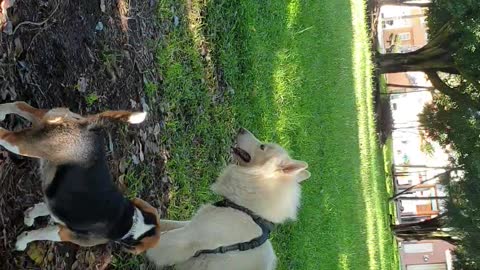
(404, 36)
(418, 248)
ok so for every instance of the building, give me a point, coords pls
(415, 163)
(402, 29)
(426, 255)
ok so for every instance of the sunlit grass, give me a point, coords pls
(294, 72)
(374, 196)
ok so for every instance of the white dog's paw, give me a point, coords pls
(22, 241)
(2, 115)
(27, 219)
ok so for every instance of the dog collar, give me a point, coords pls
(266, 226)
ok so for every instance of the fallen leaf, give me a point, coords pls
(50, 256)
(123, 165)
(36, 253)
(156, 131)
(140, 152)
(102, 6)
(151, 147)
(133, 103)
(91, 259)
(18, 46)
(145, 106)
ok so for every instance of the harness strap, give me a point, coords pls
(265, 225)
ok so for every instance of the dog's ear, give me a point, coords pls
(303, 175)
(293, 167)
(152, 217)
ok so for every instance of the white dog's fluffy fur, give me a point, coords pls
(266, 181)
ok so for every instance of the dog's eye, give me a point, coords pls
(262, 146)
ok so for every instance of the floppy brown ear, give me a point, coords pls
(148, 241)
(293, 167)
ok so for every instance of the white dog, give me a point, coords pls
(262, 189)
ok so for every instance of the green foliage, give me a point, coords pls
(464, 18)
(458, 127)
(456, 124)
(91, 99)
(150, 89)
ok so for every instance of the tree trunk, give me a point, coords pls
(429, 225)
(404, 17)
(424, 230)
(434, 59)
(428, 236)
(421, 198)
(423, 166)
(428, 88)
(434, 56)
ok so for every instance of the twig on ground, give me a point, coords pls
(36, 23)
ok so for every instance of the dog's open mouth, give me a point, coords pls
(242, 154)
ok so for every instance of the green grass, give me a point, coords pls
(297, 73)
(91, 99)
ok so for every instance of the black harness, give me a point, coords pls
(264, 224)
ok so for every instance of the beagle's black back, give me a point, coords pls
(83, 196)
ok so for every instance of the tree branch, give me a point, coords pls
(421, 183)
(421, 198)
(453, 93)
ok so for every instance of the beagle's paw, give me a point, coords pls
(2, 114)
(28, 220)
(22, 241)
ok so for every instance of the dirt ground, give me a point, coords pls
(88, 56)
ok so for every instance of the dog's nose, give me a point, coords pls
(242, 131)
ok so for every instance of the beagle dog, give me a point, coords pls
(79, 193)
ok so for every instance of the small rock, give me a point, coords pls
(99, 27)
(135, 160)
(176, 21)
(133, 103)
(165, 179)
(82, 84)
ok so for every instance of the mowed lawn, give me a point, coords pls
(294, 72)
